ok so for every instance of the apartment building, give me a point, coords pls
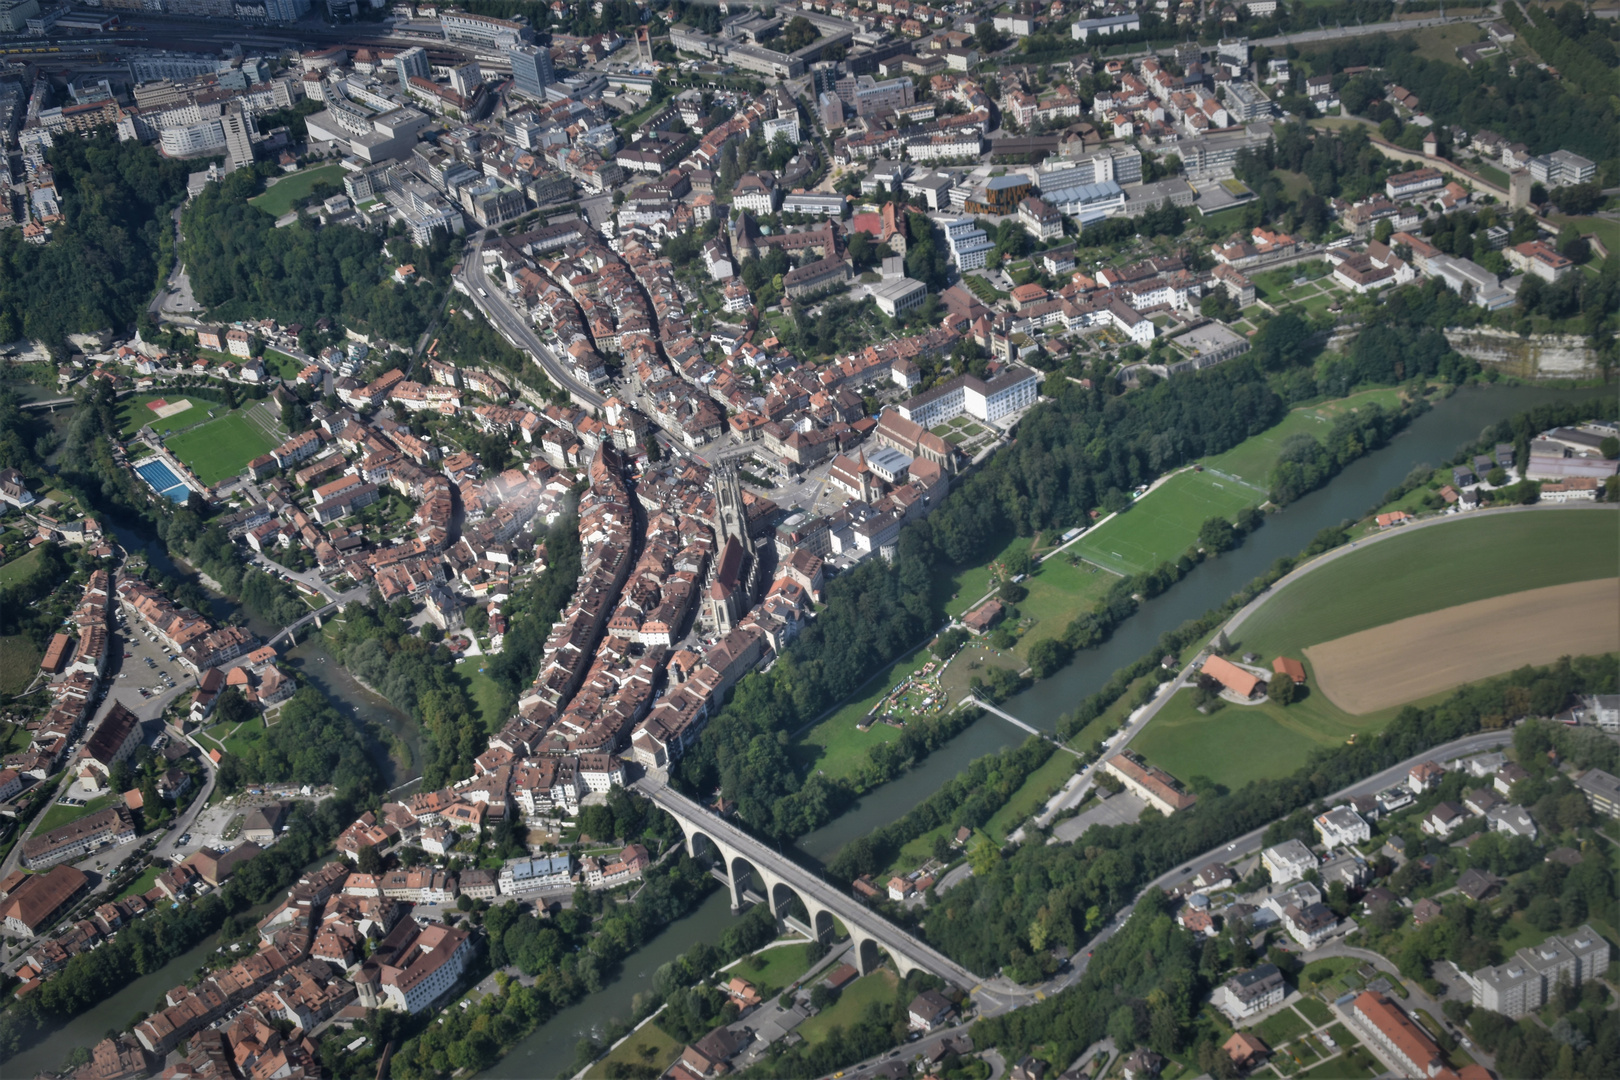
(1523, 984)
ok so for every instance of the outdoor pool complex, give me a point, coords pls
(164, 481)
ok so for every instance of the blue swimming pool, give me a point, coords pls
(164, 481)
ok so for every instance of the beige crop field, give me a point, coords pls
(1425, 654)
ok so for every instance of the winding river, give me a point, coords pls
(1431, 439)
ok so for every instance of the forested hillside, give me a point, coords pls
(1534, 107)
(107, 254)
(242, 266)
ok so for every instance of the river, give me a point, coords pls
(1431, 438)
(145, 994)
(550, 1049)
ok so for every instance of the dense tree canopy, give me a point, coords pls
(242, 266)
(106, 255)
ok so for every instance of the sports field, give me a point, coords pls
(1164, 523)
(134, 413)
(1427, 569)
(1059, 592)
(222, 448)
(1429, 653)
(279, 198)
(1253, 458)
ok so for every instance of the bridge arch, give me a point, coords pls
(788, 886)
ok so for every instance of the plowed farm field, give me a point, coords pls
(1415, 657)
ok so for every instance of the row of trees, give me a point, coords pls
(310, 743)
(1534, 107)
(568, 956)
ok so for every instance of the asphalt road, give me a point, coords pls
(516, 329)
(1250, 841)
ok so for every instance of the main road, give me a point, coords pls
(1249, 842)
(517, 330)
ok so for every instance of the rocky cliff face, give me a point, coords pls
(1540, 356)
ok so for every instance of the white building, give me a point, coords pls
(437, 959)
(524, 877)
(1013, 388)
(787, 125)
(1288, 861)
(896, 296)
(1342, 827)
(1522, 984)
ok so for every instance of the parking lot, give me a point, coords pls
(142, 670)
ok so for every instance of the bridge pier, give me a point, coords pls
(785, 881)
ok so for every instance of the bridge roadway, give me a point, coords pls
(785, 879)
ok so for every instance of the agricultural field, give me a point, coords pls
(1433, 568)
(1165, 522)
(279, 198)
(1239, 743)
(1426, 654)
(133, 413)
(221, 448)
(1254, 457)
(1400, 578)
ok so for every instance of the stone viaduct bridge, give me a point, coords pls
(785, 880)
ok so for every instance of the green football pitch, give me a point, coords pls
(1165, 522)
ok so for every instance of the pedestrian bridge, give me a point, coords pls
(786, 881)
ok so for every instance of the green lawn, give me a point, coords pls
(19, 658)
(878, 987)
(1239, 743)
(649, 1047)
(967, 584)
(279, 199)
(144, 883)
(780, 968)
(1491, 174)
(1253, 458)
(488, 697)
(1434, 568)
(834, 746)
(134, 415)
(1314, 1010)
(20, 567)
(1060, 591)
(280, 364)
(1164, 523)
(1034, 791)
(59, 815)
(220, 448)
(1279, 1027)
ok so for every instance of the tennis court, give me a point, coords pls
(164, 481)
